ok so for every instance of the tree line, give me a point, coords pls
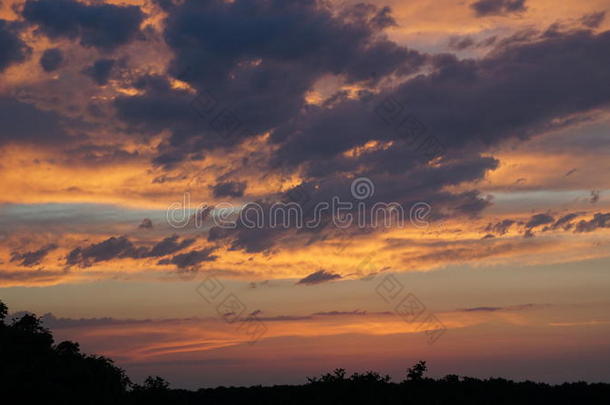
(36, 370)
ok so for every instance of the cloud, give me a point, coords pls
(521, 307)
(467, 105)
(51, 59)
(593, 20)
(51, 321)
(484, 8)
(565, 222)
(501, 227)
(318, 277)
(594, 196)
(481, 309)
(100, 71)
(98, 154)
(109, 249)
(29, 259)
(121, 247)
(168, 246)
(25, 123)
(539, 219)
(191, 258)
(599, 220)
(146, 224)
(241, 80)
(103, 26)
(340, 313)
(460, 43)
(570, 172)
(229, 189)
(12, 48)
(21, 277)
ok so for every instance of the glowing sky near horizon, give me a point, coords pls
(100, 137)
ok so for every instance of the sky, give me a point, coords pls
(256, 191)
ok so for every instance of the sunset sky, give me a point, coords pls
(133, 129)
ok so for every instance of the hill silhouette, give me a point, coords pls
(33, 369)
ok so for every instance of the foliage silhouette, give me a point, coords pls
(35, 370)
(416, 373)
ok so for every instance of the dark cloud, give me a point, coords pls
(487, 42)
(593, 20)
(12, 48)
(570, 172)
(481, 309)
(112, 248)
(521, 307)
(460, 43)
(192, 258)
(501, 227)
(121, 247)
(168, 246)
(594, 196)
(160, 108)
(103, 26)
(229, 189)
(318, 277)
(565, 222)
(599, 220)
(23, 122)
(41, 276)
(466, 104)
(146, 224)
(539, 219)
(98, 154)
(280, 318)
(51, 321)
(100, 71)
(51, 59)
(54, 322)
(29, 259)
(341, 313)
(254, 232)
(497, 7)
(463, 106)
(166, 5)
(243, 56)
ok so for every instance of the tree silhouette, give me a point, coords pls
(3, 312)
(34, 370)
(416, 373)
